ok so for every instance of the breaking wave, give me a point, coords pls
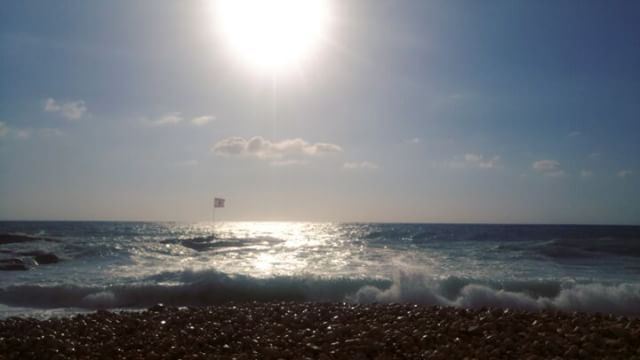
(193, 288)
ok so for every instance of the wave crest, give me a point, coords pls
(210, 287)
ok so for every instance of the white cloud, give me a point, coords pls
(175, 118)
(4, 129)
(482, 162)
(26, 133)
(574, 134)
(479, 161)
(261, 148)
(364, 165)
(624, 173)
(586, 173)
(413, 141)
(546, 165)
(70, 110)
(171, 118)
(548, 168)
(202, 120)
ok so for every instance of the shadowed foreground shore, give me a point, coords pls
(325, 331)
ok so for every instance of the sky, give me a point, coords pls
(404, 111)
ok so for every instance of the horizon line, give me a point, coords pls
(338, 222)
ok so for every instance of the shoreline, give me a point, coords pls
(295, 330)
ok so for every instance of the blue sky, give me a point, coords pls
(417, 111)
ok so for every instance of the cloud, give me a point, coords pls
(202, 120)
(175, 118)
(26, 133)
(479, 161)
(548, 168)
(363, 165)
(546, 165)
(574, 134)
(70, 110)
(171, 118)
(414, 141)
(624, 173)
(261, 148)
(586, 173)
(4, 129)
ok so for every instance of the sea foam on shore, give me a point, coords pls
(211, 287)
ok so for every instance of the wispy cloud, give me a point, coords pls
(202, 120)
(278, 151)
(27, 133)
(362, 165)
(574, 134)
(548, 168)
(479, 161)
(171, 118)
(175, 118)
(70, 110)
(624, 173)
(586, 173)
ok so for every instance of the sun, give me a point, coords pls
(272, 35)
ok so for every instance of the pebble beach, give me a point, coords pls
(299, 330)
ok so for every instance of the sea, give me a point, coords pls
(135, 265)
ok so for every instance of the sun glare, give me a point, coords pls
(273, 35)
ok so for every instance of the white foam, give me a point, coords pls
(210, 287)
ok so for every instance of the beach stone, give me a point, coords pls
(159, 307)
(307, 330)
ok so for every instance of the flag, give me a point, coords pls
(218, 203)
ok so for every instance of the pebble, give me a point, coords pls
(292, 330)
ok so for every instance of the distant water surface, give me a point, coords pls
(134, 265)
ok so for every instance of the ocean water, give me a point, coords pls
(133, 265)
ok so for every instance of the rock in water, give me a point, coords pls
(46, 258)
(13, 265)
